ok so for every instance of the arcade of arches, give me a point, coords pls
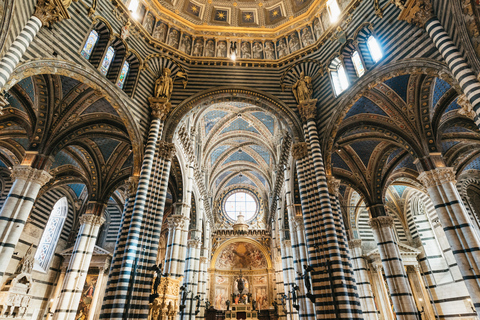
(225, 160)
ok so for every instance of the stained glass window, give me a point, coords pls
(123, 75)
(51, 234)
(374, 49)
(240, 202)
(107, 60)
(357, 63)
(89, 44)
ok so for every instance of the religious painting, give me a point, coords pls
(282, 49)
(173, 38)
(221, 280)
(160, 31)
(294, 42)
(149, 22)
(246, 50)
(317, 28)
(257, 50)
(222, 49)
(261, 297)
(260, 280)
(186, 44)
(221, 296)
(307, 36)
(245, 286)
(86, 297)
(241, 255)
(210, 48)
(198, 47)
(269, 50)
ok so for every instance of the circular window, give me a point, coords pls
(240, 202)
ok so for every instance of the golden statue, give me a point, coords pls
(303, 88)
(164, 85)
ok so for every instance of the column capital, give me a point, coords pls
(160, 107)
(166, 150)
(417, 12)
(308, 109)
(299, 150)
(30, 174)
(355, 243)
(203, 259)
(437, 177)
(381, 222)
(92, 219)
(51, 11)
(194, 243)
(333, 185)
(132, 185)
(177, 221)
(466, 107)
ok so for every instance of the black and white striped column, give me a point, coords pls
(192, 275)
(16, 209)
(79, 262)
(400, 291)
(460, 232)
(130, 284)
(364, 287)
(46, 13)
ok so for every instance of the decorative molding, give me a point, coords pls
(51, 11)
(299, 150)
(30, 174)
(333, 185)
(355, 243)
(91, 219)
(437, 177)
(381, 222)
(417, 12)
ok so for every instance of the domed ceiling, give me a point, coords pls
(262, 29)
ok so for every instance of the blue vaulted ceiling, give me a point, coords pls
(364, 149)
(240, 156)
(265, 119)
(364, 105)
(399, 85)
(101, 105)
(27, 85)
(106, 146)
(68, 84)
(211, 118)
(239, 125)
(439, 90)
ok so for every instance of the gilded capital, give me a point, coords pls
(299, 150)
(51, 11)
(160, 107)
(437, 177)
(333, 185)
(166, 150)
(30, 174)
(308, 109)
(417, 12)
(381, 222)
(194, 243)
(91, 219)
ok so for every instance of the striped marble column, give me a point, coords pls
(77, 269)
(192, 271)
(16, 209)
(395, 273)
(202, 284)
(423, 16)
(364, 287)
(127, 295)
(47, 12)
(177, 226)
(456, 223)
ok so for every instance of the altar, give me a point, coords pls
(241, 311)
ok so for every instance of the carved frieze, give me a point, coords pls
(437, 177)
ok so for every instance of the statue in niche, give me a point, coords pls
(222, 49)
(173, 38)
(282, 48)
(209, 48)
(160, 32)
(303, 88)
(257, 50)
(198, 48)
(307, 37)
(186, 44)
(294, 43)
(246, 50)
(317, 29)
(269, 51)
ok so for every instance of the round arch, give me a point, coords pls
(234, 94)
(95, 81)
